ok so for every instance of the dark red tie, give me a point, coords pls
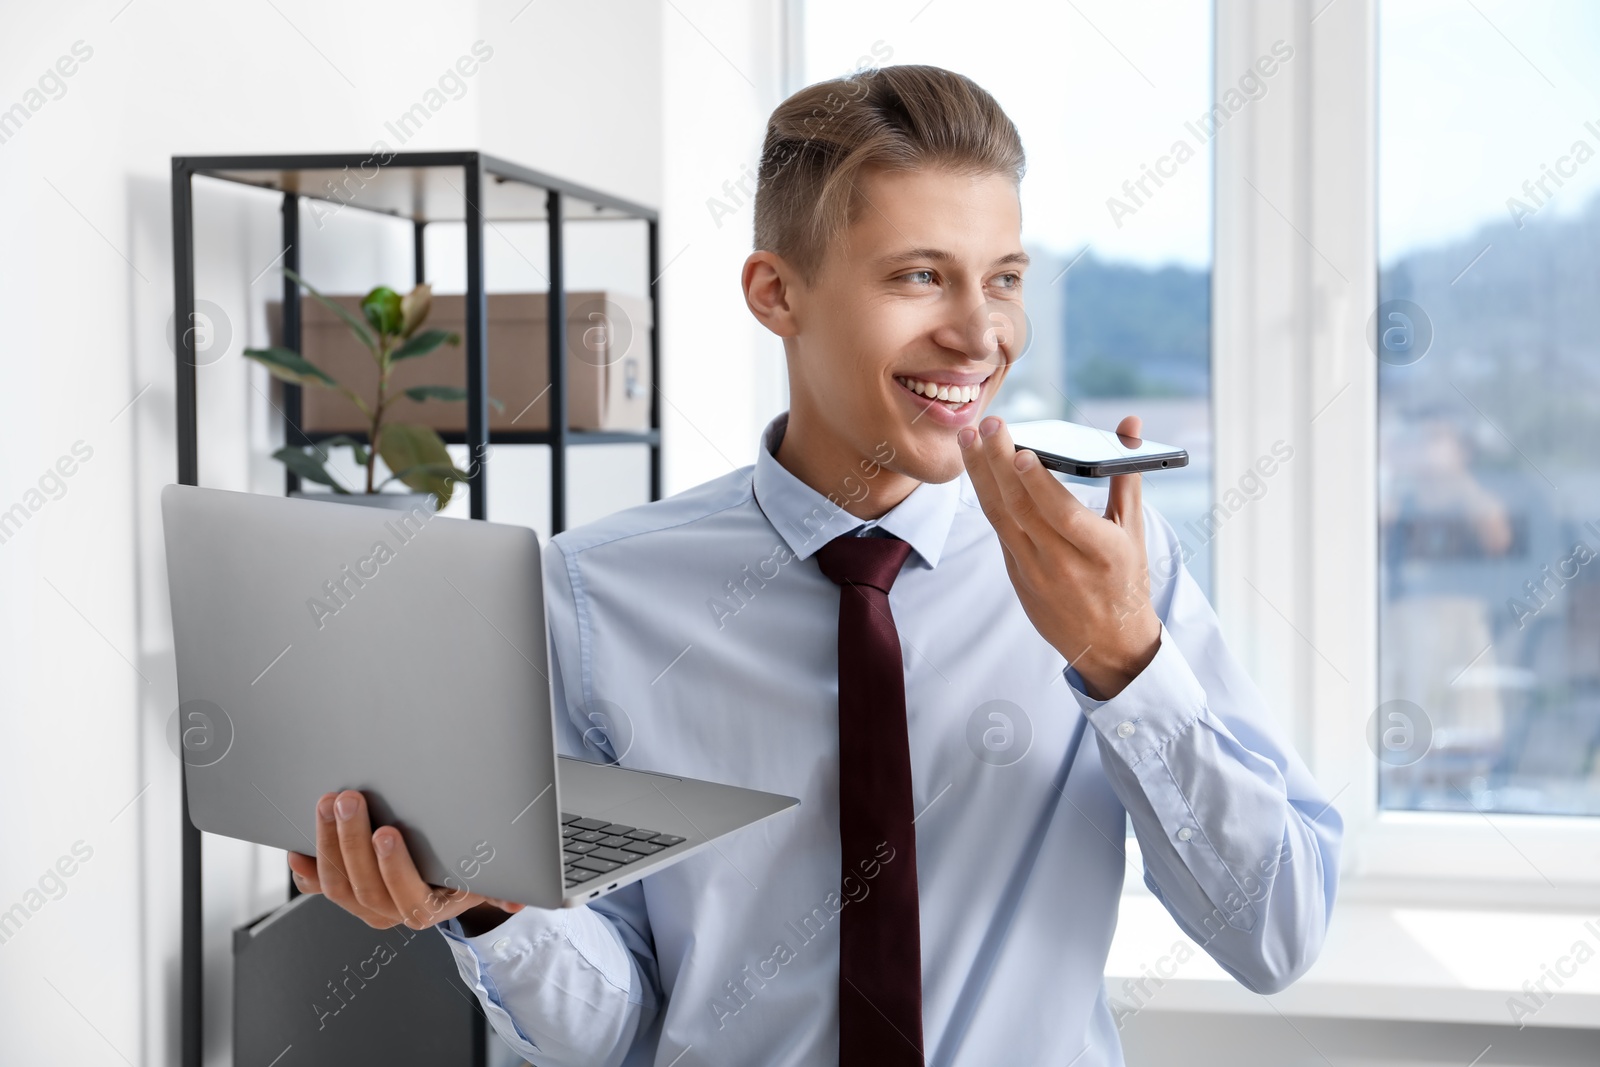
(880, 946)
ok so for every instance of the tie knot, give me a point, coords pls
(872, 561)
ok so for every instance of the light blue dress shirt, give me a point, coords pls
(696, 636)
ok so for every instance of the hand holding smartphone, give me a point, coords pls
(1086, 452)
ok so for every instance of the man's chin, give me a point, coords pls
(934, 467)
(932, 455)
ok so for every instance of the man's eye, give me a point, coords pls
(913, 275)
(1016, 280)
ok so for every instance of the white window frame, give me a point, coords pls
(1296, 572)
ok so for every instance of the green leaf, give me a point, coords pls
(418, 457)
(445, 392)
(436, 392)
(414, 308)
(423, 343)
(382, 309)
(308, 467)
(357, 447)
(357, 327)
(442, 470)
(290, 366)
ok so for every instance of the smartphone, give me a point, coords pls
(1086, 452)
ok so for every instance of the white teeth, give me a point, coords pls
(951, 394)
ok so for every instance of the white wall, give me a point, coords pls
(597, 92)
(725, 375)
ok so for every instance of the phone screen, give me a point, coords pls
(1085, 444)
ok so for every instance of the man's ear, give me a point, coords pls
(772, 291)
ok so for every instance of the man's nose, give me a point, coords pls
(984, 330)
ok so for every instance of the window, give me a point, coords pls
(1487, 331)
(1116, 205)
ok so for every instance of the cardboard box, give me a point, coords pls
(608, 364)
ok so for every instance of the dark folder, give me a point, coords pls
(314, 986)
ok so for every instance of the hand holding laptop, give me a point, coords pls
(372, 876)
(356, 667)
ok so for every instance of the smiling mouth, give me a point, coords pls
(952, 397)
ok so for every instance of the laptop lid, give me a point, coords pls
(323, 646)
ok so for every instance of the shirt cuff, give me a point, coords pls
(513, 940)
(1144, 727)
(1159, 704)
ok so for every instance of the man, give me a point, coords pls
(915, 654)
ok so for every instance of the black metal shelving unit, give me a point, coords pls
(414, 187)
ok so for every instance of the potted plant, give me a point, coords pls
(415, 455)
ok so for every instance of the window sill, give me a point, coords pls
(1382, 960)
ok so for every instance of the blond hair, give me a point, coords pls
(821, 139)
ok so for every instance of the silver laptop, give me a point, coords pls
(324, 646)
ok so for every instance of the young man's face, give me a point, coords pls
(921, 295)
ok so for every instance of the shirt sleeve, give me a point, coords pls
(1240, 844)
(566, 986)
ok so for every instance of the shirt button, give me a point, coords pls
(1185, 833)
(1124, 729)
(502, 948)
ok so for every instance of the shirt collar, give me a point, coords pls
(807, 519)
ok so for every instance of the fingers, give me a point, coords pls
(1001, 453)
(983, 483)
(371, 874)
(418, 904)
(1010, 508)
(360, 861)
(510, 906)
(1123, 502)
(330, 863)
(304, 870)
(1062, 512)
(1040, 509)
(331, 868)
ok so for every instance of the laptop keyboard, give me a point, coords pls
(593, 847)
